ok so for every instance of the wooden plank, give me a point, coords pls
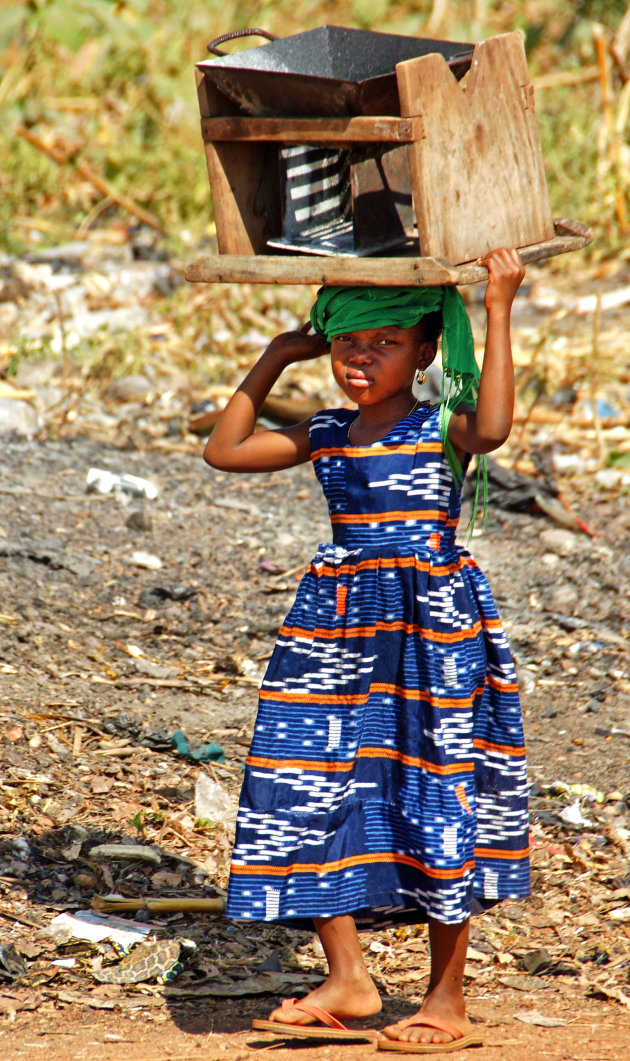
(311, 130)
(313, 269)
(244, 182)
(477, 171)
(570, 236)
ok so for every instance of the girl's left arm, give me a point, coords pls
(487, 427)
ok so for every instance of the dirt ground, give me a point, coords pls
(105, 653)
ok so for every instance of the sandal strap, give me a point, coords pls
(431, 1022)
(314, 1011)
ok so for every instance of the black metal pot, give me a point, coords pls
(325, 72)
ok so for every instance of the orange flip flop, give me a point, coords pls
(332, 1028)
(459, 1042)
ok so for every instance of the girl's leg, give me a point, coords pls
(349, 990)
(444, 999)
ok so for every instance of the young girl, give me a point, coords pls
(386, 777)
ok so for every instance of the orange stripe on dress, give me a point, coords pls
(347, 863)
(396, 625)
(263, 763)
(502, 687)
(391, 516)
(501, 749)
(282, 696)
(342, 593)
(435, 540)
(322, 570)
(460, 792)
(376, 451)
(496, 852)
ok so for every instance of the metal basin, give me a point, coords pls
(325, 72)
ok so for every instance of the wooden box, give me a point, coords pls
(473, 166)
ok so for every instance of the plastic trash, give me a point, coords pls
(149, 560)
(102, 481)
(572, 815)
(94, 928)
(207, 753)
(213, 801)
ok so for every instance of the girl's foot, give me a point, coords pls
(424, 1033)
(346, 1001)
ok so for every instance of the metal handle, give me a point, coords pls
(213, 46)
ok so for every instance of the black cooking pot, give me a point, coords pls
(325, 72)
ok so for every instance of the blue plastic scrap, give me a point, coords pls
(206, 754)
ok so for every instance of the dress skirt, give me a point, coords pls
(386, 776)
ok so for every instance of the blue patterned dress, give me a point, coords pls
(386, 776)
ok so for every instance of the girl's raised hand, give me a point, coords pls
(505, 275)
(298, 345)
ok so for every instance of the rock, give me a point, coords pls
(612, 478)
(17, 417)
(563, 599)
(558, 541)
(526, 681)
(139, 520)
(129, 389)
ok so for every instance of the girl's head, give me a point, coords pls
(341, 311)
(374, 365)
(368, 318)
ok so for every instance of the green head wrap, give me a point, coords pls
(350, 309)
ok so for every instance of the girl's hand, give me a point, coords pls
(485, 428)
(505, 275)
(234, 444)
(297, 346)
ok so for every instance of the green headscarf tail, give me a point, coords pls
(350, 309)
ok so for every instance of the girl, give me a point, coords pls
(386, 777)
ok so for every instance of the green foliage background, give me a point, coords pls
(111, 81)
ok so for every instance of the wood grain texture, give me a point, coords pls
(310, 269)
(311, 130)
(245, 184)
(477, 170)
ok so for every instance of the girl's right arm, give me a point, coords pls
(234, 445)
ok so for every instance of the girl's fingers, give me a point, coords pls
(502, 256)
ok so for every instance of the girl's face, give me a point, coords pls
(378, 364)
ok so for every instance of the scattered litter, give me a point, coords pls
(117, 852)
(148, 560)
(207, 753)
(174, 592)
(621, 913)
(532, 1016)
(213, 802)
(102, 481)
(588, 792)
(95, 928)
(612, 478)
(573, 815)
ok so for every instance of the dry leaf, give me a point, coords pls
(532, 1016)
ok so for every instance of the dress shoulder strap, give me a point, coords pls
(328, 428)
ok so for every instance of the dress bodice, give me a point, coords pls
(395, 494)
